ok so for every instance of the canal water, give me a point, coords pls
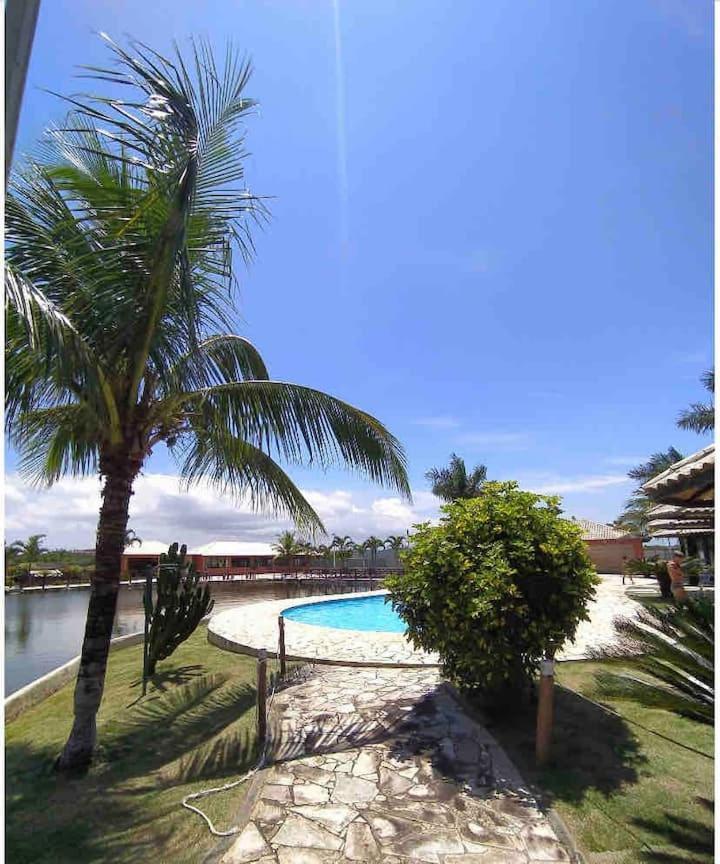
(43, 630)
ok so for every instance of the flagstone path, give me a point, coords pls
(383, 765)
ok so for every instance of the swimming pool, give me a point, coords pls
(353, 613)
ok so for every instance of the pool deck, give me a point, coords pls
(254, 627)
(249, 629)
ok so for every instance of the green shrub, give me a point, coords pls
(499, 583)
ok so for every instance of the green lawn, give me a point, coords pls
(627, 795)
(195, 728)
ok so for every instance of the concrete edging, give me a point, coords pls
(34, 692)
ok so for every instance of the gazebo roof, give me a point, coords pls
(689, 482)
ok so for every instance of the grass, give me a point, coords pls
(194, 729)
(627, 795)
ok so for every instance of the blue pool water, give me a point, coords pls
(355, 613)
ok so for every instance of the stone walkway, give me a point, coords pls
(383, 765)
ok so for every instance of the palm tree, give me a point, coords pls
(636, 513)
(395, 542)
(287, 546)
(669, 653)
(454, 481)
(131, 538)
(700, 417)
(119, 302)
(30, 550)
(655, 465)
(372, 544)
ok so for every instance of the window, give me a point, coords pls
(215, 563)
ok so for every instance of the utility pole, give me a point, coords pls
(20, 20)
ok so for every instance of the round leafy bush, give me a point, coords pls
(500, 583)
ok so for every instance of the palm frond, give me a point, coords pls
(217, 360)
(237, 468)
(303, 426)
(670, 655)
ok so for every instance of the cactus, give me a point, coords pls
(181, 603)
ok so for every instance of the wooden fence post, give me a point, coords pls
(543, 739)
(281, 625)
(262, 695)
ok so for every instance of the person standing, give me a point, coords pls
(677, 578)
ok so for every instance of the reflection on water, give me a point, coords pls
(44, 629)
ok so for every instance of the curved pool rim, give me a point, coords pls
(234, 630)
(366, 601)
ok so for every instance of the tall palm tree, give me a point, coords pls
(119, 310)
(700, 416)
(29, 550)
(669, 658)
(454, 481)
(131, 538)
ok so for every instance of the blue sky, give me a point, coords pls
(491, 226)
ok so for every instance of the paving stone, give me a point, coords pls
(269, 813)
(491, 856)
(360, 844)
(392, 783)
(309, 793)
(305, 856)
(334, 817)
(274, 792)
(249, 846)
(353, 790)
(282, 778)
(366, 763)
(297, 831)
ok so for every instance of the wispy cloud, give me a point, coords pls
(161, 510)
(440, 421)
(496, 440)
(592, 483)
(624, 460)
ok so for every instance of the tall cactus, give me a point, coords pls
(181, 603)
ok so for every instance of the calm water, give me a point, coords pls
(357, 613)
(43, 630)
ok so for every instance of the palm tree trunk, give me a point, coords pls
(120, 472)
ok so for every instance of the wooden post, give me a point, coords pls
(262, 695)
(543, 740)
(281, 625)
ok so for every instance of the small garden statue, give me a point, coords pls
(180, 604)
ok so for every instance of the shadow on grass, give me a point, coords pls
(593, 750)
(177, 677)
(188, 734)
(690, 840)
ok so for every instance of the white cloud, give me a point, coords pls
(624, 460)
(161, 510)
(439, 422)
(563, 485)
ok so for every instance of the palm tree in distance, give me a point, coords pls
(29, 550)
(119, 310)
(454, 481)
(700, 416)
(131, 538)
(372, 545)
(395, 542)
(287, 546)
(636, 512)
